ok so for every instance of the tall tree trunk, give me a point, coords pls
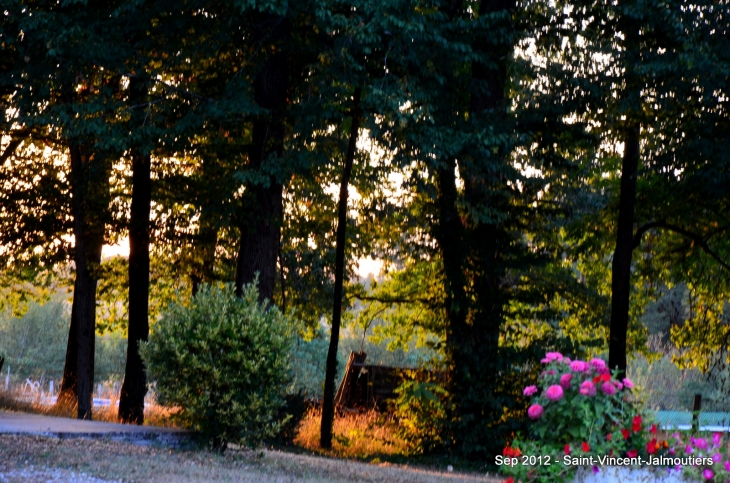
(262, 203)
(89, 238)
(621, 266)
(68, 390)
(328, 398)
(134, 388)
(473, 256)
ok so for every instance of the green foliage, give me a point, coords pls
(35, 344)
(421, 412)
(308, 357)
(223, 361)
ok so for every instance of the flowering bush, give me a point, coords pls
(578, 409)
(583, 416)
(711, 454)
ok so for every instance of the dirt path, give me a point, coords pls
(45, 459)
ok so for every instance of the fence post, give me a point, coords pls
(696, 412)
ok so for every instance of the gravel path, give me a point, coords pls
(37, 459)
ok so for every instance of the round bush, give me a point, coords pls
(223, 361)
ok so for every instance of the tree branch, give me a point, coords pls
(17, 139)
(701, 242)
(394, 300)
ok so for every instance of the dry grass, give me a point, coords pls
(154, 415)
(25, 459)
(368, 435)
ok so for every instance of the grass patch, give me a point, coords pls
(369, 435)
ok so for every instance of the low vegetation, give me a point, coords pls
(223, 361)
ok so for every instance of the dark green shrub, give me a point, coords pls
(224, 362)
(421, 414)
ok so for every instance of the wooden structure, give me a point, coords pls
(368, 386)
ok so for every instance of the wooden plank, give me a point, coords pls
(343, 392)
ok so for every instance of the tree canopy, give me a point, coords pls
(531, 174)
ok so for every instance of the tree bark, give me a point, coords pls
(134, 388)
(473, 252)
(328, 398)
(262, 203)
(68, 390)
(89, 239)
(621, 265)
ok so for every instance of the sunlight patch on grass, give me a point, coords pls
(367, 435)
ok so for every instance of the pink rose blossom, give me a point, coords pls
(565, 380)
(688, 449)
(535, 411)
(545, 360)
(578, 366)
(588, 388)
(708, 474)
(608, 388)
(716, 458)
(628, 384)
(530, 391)
(727, 465)
(554, 393)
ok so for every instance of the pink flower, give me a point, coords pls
(566, 360)
(727, 465)
(588, 388)
(545, 360)
(552, 372)
(530, 391)
(535, 411)
(578, 366)
(618, 385)
(554, 393)
(598, 364)
(700, 443)
(627, 383)
(716, 458)
(554, 356)
(688, 449)
(716, 439)
(608, 388)
(565, 380)
(707, 473)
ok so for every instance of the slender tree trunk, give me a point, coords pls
(207, 243)
(263, 206)
(621, 266)
(206, 240)
(68, 390)
(134, 388)
(88, 243)
(328, 398)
